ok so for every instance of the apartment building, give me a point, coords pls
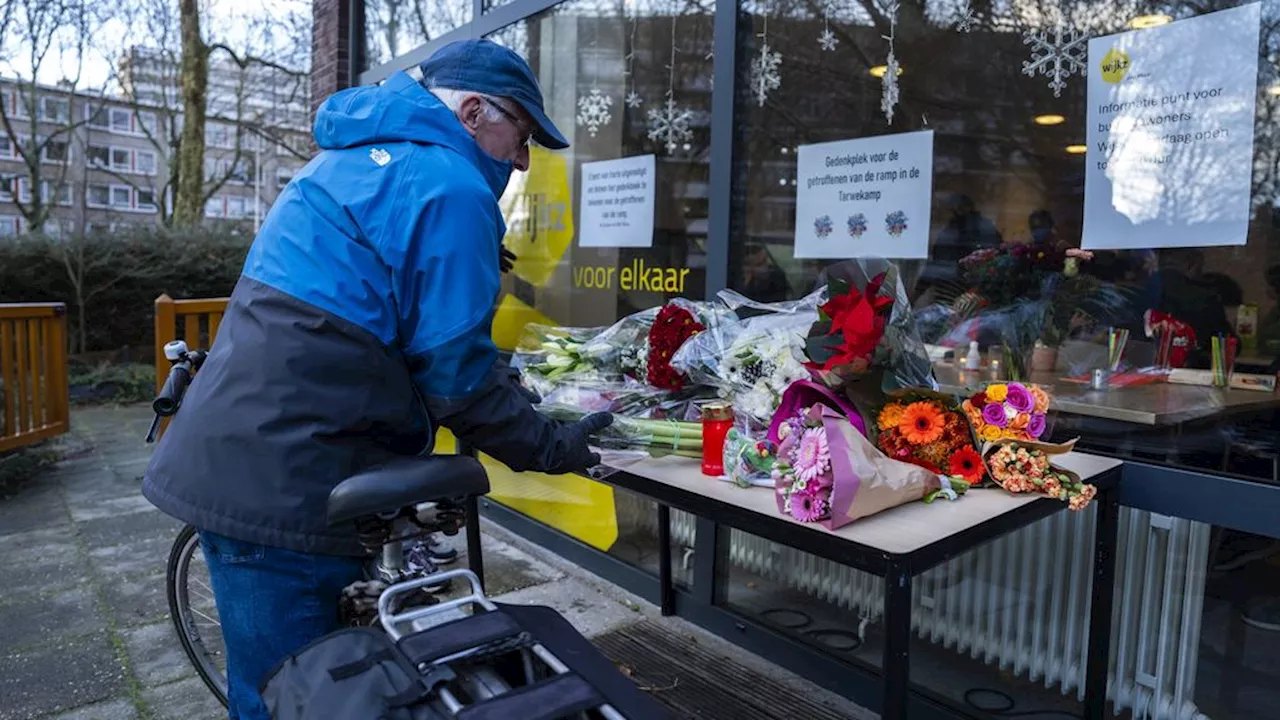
(108, 165)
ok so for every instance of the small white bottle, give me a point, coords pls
(973, 360)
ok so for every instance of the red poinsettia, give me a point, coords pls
(670, 329)
(858, 318)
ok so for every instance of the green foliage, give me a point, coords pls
(117, 277)
(112, 383)
(18, 467)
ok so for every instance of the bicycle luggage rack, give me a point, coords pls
(475, 637)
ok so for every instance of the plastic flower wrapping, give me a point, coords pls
(866, 325)
(1012, 410)
(751, 360)
(1026, 467)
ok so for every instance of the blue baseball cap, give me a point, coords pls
(483, 66)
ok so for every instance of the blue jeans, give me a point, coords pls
(271, 602)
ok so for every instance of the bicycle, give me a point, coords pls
(486, 658)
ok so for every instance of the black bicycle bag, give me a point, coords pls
(352, 674)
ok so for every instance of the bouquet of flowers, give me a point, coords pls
(1022, 467)
(828, 472)
(671, 328)
(1008, 410)
(922, 428)
(752, 360)
(865, 326)
(547, 354)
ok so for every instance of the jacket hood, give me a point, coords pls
(401, 110)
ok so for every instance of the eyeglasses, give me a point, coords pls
(515, 121)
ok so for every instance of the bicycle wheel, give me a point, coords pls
(196, 622)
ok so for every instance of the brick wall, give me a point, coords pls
(330, 49)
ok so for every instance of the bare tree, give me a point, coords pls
(38, 123)
(249, 77)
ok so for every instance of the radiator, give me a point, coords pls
(1022, 602)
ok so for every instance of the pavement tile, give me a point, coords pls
(155, 654)
(136, 600)
(143, 556)
(188, 699)
(128, 529)
(59, 676)
(37, 505)
(98, 504)
(39, 561)
(28, 621)
(110, 710)
(590, 611)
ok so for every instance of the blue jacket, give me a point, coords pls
(361, 321)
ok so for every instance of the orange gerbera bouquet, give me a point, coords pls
(925, 429)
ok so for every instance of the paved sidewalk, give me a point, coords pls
(84, 627)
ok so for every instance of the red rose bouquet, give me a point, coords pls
(670, 329)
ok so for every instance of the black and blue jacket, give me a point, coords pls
(360, 323)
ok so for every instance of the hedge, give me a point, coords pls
(120, 275)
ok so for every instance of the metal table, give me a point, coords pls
(897, 544)
(1155, 405)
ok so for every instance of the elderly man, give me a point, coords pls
(361, 322)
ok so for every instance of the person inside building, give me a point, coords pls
(360, 324)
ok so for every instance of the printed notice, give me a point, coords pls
(1170, 133)
(865, 198)
(617, 203)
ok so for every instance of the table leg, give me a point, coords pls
(1104, 575)
(897, 639)
(475, 555)
(666, 595)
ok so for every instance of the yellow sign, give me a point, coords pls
(538, 208)
(1115, 65)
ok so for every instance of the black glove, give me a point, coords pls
(506, 259)
(572, 442)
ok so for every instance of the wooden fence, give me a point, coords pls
(193, 321)
(33, 373)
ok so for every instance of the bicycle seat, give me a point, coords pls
(404, 482)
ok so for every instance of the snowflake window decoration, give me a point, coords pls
(828, 40)
(966, 20)
(670, 125)
(593, 110)
(1056, 54)
(634, 100)
(889, 94)
(765, 77)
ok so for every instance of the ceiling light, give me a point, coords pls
(880, 70)
(1077, 149)
(1143, 22)
(1049, 119)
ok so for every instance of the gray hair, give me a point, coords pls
(452, 99)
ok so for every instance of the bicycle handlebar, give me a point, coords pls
(185, 364)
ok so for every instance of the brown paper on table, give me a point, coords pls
(866, 480)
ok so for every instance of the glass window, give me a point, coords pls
(236, 207)
(393, 27)
(146, 200)
(99, 155)
(7, 186)
(145, 161)
(218, 135)
(592, 57)
(121, 196)
(10, 225)
(213, 207)
(1009, 164)
(121, 120)
(55, 109)
(98, 195)
(55, 151)
(98, 117)
(121, 160)
(63, 194)
(283, 177)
